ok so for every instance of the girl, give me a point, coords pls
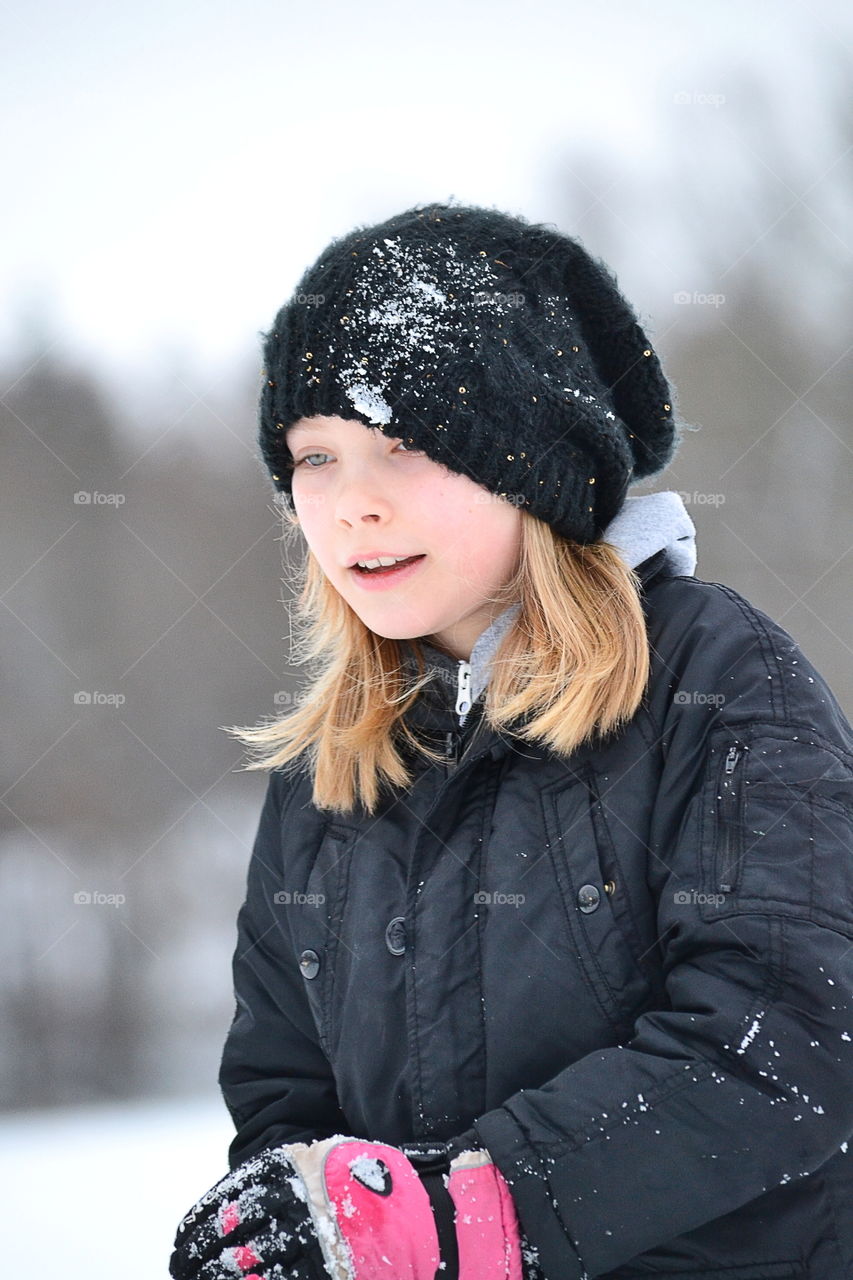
(545, 963)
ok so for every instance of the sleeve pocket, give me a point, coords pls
(777, 826)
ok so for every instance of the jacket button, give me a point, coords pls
(309, 963)
(395, 936)
(588, 898)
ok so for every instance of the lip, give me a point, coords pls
(380, 555)
(384, 581)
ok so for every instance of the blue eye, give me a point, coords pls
(293, 465)
(408, 448)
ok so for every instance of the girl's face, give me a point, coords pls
(360, 494)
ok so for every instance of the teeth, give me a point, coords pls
(383, 562)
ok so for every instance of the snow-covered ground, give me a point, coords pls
(95, 1193)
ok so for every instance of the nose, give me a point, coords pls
(360, 495)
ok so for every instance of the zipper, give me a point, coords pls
(453, 737)
(463, 688)
(452, 740)
(460, 747)
(728, 865)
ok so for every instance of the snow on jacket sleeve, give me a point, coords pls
(743, 1081)
(276, 1080)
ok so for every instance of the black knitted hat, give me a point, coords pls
(500, 348)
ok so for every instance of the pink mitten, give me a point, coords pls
(370, 1211)
(487, 1230)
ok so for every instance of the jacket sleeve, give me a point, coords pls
(741, 1080)
(276, 1081)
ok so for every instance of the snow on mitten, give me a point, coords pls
(254, 1224)
(479, 1232)
(370, 1212)
(487, 1230)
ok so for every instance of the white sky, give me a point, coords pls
(171, 168)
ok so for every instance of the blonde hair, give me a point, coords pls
(574, 664)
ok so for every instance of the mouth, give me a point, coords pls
(386, 576)
(386, 571)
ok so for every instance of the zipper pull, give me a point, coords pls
(451, 750)
(463, 693)
(732, 759)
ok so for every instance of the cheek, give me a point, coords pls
(449, 503)
(309, 509)
(456, 505)
(500, 543)
(481, 537)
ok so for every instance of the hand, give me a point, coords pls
(381, 1223)
(369, 1208)
(341, 1208)
(487, 1232)
(253, 1223)
(478, 1227)
(349, 1209)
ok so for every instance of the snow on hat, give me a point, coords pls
(500, 348)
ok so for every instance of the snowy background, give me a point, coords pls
(169, 171)
(96, 1192)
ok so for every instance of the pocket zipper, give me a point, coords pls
(727, 813)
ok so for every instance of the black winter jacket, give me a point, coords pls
(630, 971)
